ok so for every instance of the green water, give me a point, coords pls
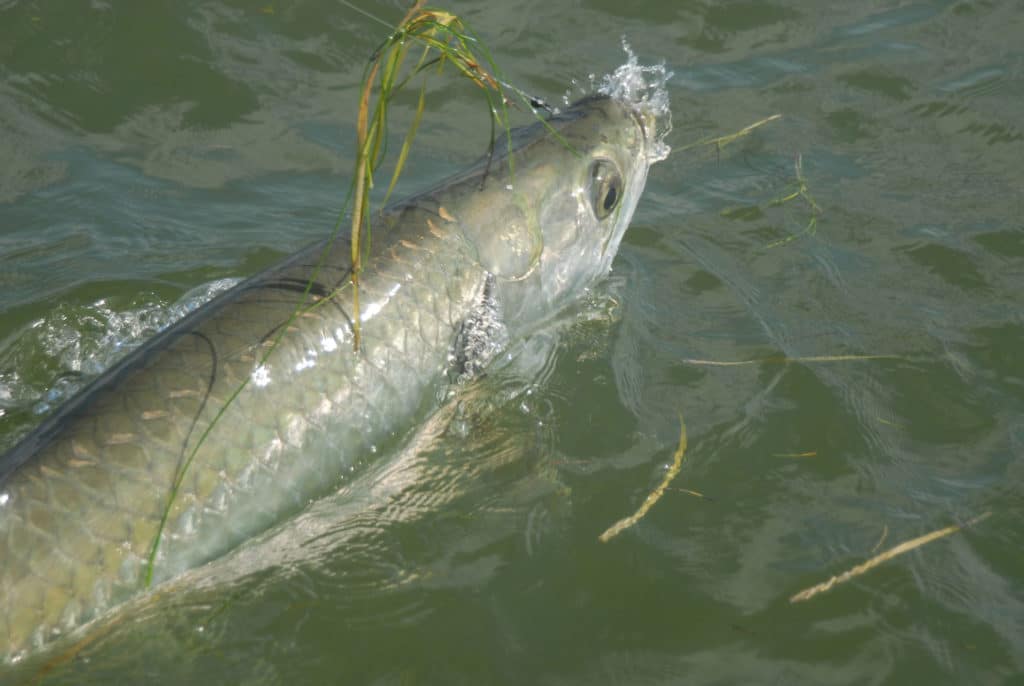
(150, 148)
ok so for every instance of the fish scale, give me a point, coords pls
(266, 409)
(125, 447)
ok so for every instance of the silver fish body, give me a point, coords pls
(255, 404)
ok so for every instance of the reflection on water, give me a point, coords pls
(155, 150)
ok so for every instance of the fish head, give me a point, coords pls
(559, 205)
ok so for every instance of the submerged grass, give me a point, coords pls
(802, 191)
(802, 188)
(445, 39)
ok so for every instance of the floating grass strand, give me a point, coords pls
(881, 539)
(782, 359)
(721, 141)
(369, 15)
(687, 491)
(889, 554)
(677, 462)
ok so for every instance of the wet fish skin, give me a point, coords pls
(82, 496)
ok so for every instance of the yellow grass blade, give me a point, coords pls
(781, 359)
(889, 554)
(722, 141)
(407, 143)
(677, 462)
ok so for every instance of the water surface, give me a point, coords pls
(150, 149)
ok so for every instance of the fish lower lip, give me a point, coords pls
(639, 117)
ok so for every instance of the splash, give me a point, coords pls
(60, 353)
(642, 87)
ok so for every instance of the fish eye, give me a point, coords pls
(605, 188)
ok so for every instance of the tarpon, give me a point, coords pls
(258, 402)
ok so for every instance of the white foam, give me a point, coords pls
(642, 87)
(78, 343)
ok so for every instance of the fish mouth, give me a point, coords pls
(639, 117)
(647, 121)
